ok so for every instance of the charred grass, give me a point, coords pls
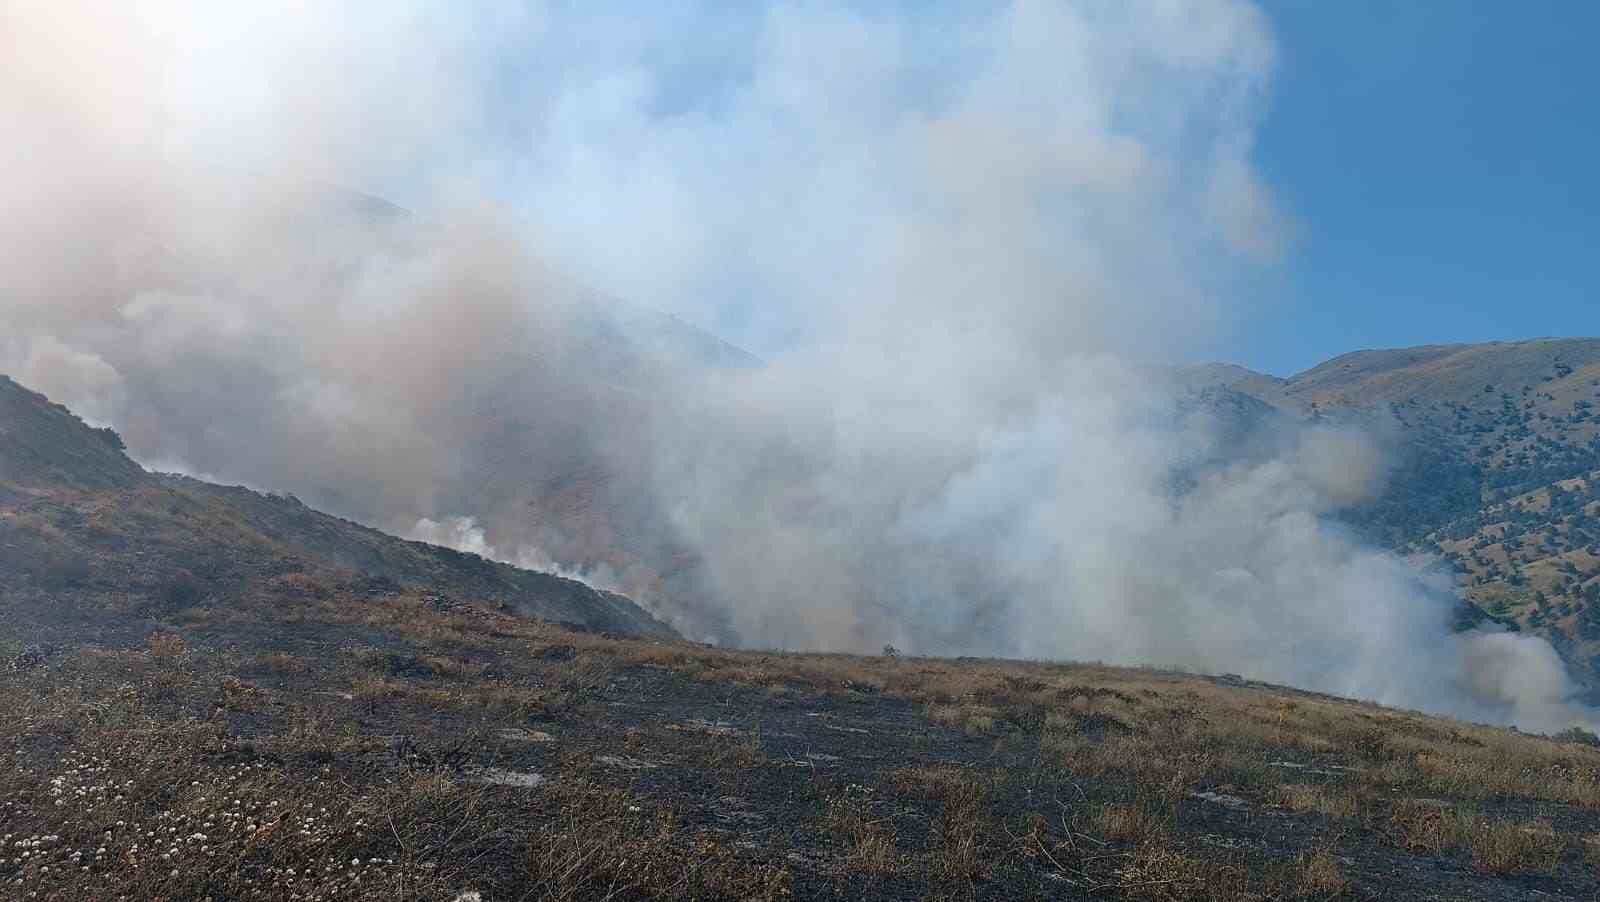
(376, 747)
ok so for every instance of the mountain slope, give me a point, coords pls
(43, 444)
(1454, 374)
(1497, 447)
(81, 523)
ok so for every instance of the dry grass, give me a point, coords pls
(1430, 826)
(601, 844)
(1509, 766)
(372, 690)
(1338, 802)
(1317, 875)
(1146, 724)
(1160, 873)
(235, 694)
(869, 836)
(1503, 847)
(281, 663)
(144, 806)
(974, 720)
(1130, 822)
(166, 647)
(1591, 849)
(963, 828)
(1101, 796)
(1497, 846)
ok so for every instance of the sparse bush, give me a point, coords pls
(964, 827)
(110, 437)
(168, 647)
(235, 694)
(1504, 847)
(1128, 822)
(373, 690)
(869, 838)
(1318, 875)
(1334, 802)
(1157, 873)
(1428, 827)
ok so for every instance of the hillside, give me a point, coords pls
(1454, 374)
(390, 751)
(1495, 446)
(208, 692)
(87, 536)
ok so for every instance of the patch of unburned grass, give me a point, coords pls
(1335, 801)
(1130, 822)
(1159, 873)
(1430, 825)
(168, 647)
(1317, 875)
(974, 720)
(1507, 847)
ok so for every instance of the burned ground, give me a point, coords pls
(384, 746)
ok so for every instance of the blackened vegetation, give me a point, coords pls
(85, 526)
(362, 747)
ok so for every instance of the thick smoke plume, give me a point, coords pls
(957, 242)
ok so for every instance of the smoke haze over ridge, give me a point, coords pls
(956, 241)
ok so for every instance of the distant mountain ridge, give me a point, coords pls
(1497, 474)
(1433, 372)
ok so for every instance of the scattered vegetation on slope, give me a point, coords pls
(1496, 449)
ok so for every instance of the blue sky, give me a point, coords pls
(1434, 160)
(1438, 160)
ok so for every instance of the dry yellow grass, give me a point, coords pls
(1129, 822)
(974, 720)
(1591, 849)
(1504, 847)
(869, 836)
(166, 646)
(1340, 802)
(1427, 825)
(1318, 875)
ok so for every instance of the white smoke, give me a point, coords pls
(465, 535)
(956, 238)
(461, 533)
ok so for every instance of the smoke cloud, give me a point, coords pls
(956, 242)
